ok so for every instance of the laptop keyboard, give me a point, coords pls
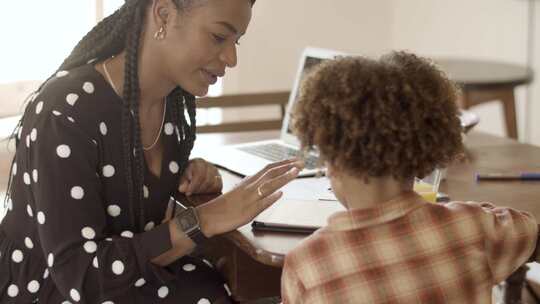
(276, 152)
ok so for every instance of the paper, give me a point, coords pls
(306, 213)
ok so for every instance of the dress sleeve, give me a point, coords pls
(86, 262)
(510, 238)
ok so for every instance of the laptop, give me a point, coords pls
(249, 158)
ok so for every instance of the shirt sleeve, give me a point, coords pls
(86, 262)
(291, 286)
(510, 238)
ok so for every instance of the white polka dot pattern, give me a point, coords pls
(72, 98)
(146, 193)
(41, 217)
(63, 151)
(140, 282)
(26, 178)
(50, 260)
(118, 267)
(88, 233)
(108, 171)
(39, 107)
(163, 291)
(149, 226)
(103, 128)
(173, 166)
(17, 256)
(90, 247)
(33, 134)
(88, 87)
(127, 234)
(13, 290)
(169, 128)
(33, 286)
(62, 74)
(28, 243)
(77, 192)
(74, 294)
(189, 267)
(114, 210)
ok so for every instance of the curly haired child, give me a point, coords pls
(377, 124)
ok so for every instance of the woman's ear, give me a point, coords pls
(161, 11)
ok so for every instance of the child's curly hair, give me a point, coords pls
(393, 116)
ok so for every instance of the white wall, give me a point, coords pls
(280, 29)
(483, 29)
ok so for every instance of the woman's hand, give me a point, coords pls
(200, 177)
(249, 198)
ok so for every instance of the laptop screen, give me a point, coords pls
(309, 63)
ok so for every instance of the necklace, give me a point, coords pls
(164, 107)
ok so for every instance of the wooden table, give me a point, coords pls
(486, 81)
(252, 261)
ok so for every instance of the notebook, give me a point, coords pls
(294, 215)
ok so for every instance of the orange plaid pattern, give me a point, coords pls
(410, 251)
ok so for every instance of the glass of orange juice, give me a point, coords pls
(428, 186)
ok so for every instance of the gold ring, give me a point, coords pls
(259, 192)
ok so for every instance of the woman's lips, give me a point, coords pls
(210, 78)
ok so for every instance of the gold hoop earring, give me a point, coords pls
(160, 34)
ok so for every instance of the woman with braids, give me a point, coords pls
(378, 124)
(103, 144)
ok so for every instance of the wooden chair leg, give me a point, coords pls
(505, 95)
(509, 105)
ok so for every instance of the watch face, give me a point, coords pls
(188, 220)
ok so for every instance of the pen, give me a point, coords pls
(524, 176)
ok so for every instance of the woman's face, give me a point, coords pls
(201, 42)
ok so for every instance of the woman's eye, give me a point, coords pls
(218, 38)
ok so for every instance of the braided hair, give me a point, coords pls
(119, 32)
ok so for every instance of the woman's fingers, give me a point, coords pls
(266, 202)
(270, 167)
(278, 171)
(209, 183)
(276, 182)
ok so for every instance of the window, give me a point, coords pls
(38, 35)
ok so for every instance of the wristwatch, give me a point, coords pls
(188, 221)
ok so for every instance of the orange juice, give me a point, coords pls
(426, 191)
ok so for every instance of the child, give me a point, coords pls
(378, 124)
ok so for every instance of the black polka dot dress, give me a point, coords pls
(67, 236)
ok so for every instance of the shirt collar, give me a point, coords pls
(384, 212)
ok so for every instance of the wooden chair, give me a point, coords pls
(242, 101)
(487, 81)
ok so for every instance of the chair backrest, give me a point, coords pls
(242, 101)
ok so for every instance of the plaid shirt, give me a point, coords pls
(410, 251)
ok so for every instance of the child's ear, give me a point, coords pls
(330, 170)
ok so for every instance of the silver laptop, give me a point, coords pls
(247, 159)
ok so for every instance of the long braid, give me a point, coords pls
(131, 108)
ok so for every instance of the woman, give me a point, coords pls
(102, 145)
